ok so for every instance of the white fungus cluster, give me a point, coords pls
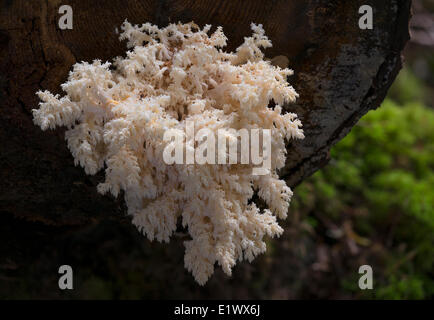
(116, 115)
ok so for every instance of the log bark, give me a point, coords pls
(48, 206)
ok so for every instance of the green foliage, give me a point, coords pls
(404, 288)
(407, 88)
(384, 168)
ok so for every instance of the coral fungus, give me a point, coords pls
(117, 116)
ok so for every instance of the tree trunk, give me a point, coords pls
(50, 212)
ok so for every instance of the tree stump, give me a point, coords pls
(49, 209)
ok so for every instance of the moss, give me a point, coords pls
(385, 168)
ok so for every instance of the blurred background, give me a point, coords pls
(372, 204)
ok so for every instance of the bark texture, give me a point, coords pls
(50, 212)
